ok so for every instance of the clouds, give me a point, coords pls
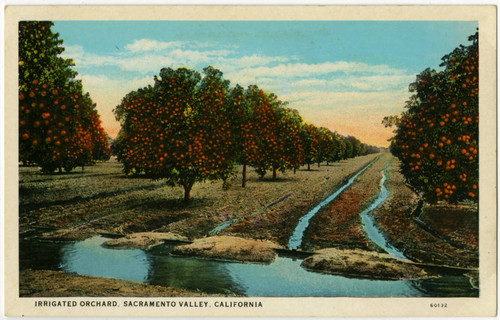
(336, 94)
(151, 45)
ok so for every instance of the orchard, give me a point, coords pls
(437, 136)
(188, 128)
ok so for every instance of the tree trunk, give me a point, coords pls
(187, 192)
(60, 170)
(294, 170)
(327, 163)
(319, 164)
(244, 180)
(274, 173)
(308, 166)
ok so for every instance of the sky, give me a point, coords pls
(343, 75)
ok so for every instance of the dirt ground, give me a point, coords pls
(339, 224)
(278, 223)
(44, 283)
(362, 263)
(104, 199)
(230, 248)
(456, 223)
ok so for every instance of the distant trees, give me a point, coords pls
(437, 135)
(59, 126)
(188, 128)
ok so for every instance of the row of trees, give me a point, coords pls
(437, 136)
(59, 126)
(188, 128)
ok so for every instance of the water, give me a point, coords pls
(298, 234)
(282, 278)
(370, 225)
(221, 227)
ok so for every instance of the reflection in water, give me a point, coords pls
(90, 258)
(192, 273)
(42, 255)
(449, 286)
(284, 277)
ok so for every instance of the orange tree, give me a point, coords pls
(58, 125)
(292, 153)
(342, 148)
(337, 149)
(270, 133)
(354, 147)
(437, 136)
(178, 129)
(241, 128)
(328, 146)
(310, 137)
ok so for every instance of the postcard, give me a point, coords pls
(250, 161)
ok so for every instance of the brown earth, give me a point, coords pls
(362, 263)
(395, 218)
(339, 223)
(79, 205)
(82, 204)
(143, 240)
(44, 283)
(278, 223)
(230, 248)
(455, 222)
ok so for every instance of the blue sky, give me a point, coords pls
(344, 75)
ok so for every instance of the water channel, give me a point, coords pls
(282, 278)
(298, 234)
(369, 223)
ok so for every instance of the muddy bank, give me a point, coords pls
(44, 283)
(361, 263)
(142, 240)
(70, 234)
(396, 219)
(339, 224)
(230, 248)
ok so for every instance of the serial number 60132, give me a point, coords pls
(439, 305)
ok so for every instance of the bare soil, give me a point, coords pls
(78, 205)
(278, 223)
(230, 248)
(82, 204)
(396, 219)
(44, 283)
(362, 263)
(143, 240)
(339, 224)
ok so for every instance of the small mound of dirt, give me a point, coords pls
(143, 240)
(230, 248)
(69, 234)
(361, 263)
